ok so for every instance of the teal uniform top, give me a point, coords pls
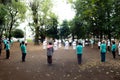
(113, 47)
(23, 48)
(79, 49)
(7, 46)
(4, 41)
(103, 48)
(11, 41)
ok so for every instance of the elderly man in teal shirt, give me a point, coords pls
(24, 51)
(113, 48)
(79, 52)
(103, 51)
(7, 50)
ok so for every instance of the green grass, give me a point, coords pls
(29, 40)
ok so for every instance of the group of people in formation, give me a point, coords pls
(67, 43)
(76, 44)
(7, 44)
(105, 46)
(51, 47)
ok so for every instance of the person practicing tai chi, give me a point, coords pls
(108, 45)
(83, 43)
(74, 44)
(0, 47)
(119, 48)
(66, 45)
(50, 51)
(91, 42)
(44, 44)
(23, 50)
(7, 50)
(103, 51)
(55, 45)
(113, 49)
(99, 43)
(79, 52)
(60, 44)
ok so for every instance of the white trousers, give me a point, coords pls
(118, 50)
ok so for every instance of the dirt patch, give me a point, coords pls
(64, 65)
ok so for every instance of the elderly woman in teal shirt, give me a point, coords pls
(103, 51)
(113, 49)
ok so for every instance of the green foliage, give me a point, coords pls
(16, 11)
(65, 31)
(116, 18)
(77, 28)
(41, 12)
(15, 14)
(99, 17)
(52, 30)
(18, 33)
(3, 13)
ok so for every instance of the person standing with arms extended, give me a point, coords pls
(7, 50)
(108, 45)
(99, 43)
(5, 41)
(113, 49)
(0, 47)
(119, 48)
(50, 51)
(103, 51)
(79, 52)
(24, 51)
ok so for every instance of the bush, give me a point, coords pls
(18, 33)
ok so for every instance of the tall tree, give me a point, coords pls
(52, 27)
(77, 29)
(65, 30)
(16, 14)
(116, 17)
(3, 14)
(41, 10)
(96, 16)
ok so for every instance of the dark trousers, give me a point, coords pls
(23, 57)
(49, 59)
(108, 48)
(0, 51)
(113, 53)
(7, 54)
(98, 47)
(70, 43)
(103, 57)
(79, 58)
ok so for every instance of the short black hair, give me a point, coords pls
(7, 41)
(23, 42)
(113, 42)
(79, 43)
(50, 43)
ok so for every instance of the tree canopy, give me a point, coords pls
(98, 16)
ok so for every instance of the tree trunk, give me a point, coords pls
(10, 32)
(36, 36)
(73, 37)
(42, 38)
